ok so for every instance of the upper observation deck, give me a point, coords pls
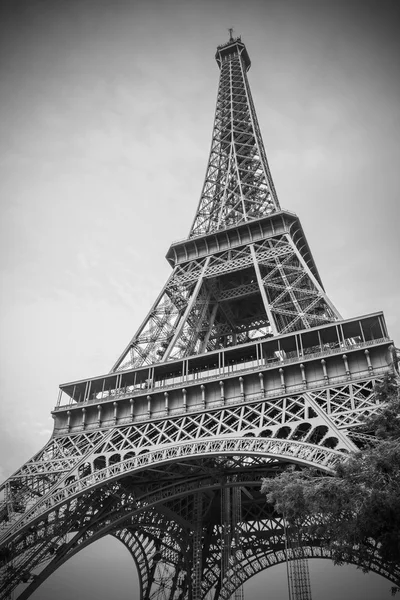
(234, 47)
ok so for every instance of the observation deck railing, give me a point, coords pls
(250, 397)
(227, 371)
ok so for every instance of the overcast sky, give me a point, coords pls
(106, 111)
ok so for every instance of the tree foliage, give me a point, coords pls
(357, 510)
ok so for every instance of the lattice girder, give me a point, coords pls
(190, 316)
(159, 549)
(228, 298)
(302, 417)
(238, 184)
(46, 494)
(160, 545)
(248, 368)
(73, 486)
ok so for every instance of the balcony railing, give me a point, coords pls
(226, 372)
(234, 400)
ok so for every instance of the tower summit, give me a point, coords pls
(246, 271)
(241, 367)
(238, 185)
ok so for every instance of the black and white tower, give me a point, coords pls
(242, 366)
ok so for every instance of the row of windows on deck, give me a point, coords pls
(152, 379)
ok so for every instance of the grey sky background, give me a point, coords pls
(106, 111)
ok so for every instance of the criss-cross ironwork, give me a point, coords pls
(238, 186)
(242, 367)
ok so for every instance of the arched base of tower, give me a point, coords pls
(199, 537)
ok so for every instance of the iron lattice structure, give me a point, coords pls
(297, 565)
(241, 367)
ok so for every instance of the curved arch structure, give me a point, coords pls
(242, 366)
(158, 536)
(248, 449)
(156, 520)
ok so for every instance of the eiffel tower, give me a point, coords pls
(242, 366)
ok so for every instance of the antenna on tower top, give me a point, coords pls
(230, 34)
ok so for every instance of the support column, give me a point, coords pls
(197, 546)
(189, 307)
(263, 292)
(203, 395)
(225, 530)
(313, 278)
(221, 385)
(131, 402)
(368, 358)
(262, 387)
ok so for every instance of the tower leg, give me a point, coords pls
(197, 548)
(231, 542)
(299, 575)
(236, 527)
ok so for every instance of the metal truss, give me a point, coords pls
(248, 291)
(238, 185)
(303, 417)
(161, 536)
(179, 485)
(230, 298)
(103, 481)
(297, 564)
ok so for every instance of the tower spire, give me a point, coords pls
(238, 185)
